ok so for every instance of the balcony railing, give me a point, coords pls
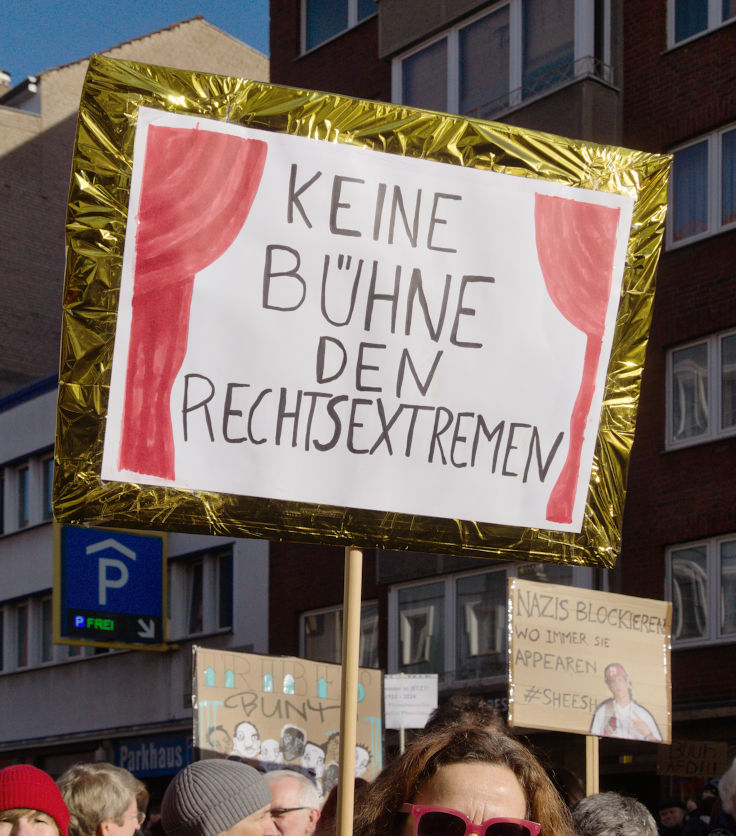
(545, 83)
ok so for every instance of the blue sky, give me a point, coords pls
(36, 35)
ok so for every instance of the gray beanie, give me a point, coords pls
(208, 797)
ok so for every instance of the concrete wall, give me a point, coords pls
(113, 693)
(35, 166)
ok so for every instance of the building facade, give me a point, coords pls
(656, 76)
(680, 524)
(63, 703)
(37, 123)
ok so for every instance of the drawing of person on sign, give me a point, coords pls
(292, 742)
(270, 756)
(246, 741)
(621, 716)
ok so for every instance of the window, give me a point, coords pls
(47, 484)
(547, 43)
(204, 582)
(703, 189)
(689, 18)
(27, 625)
(22, 476)
(195, 597)
(499, 59)
(321, 635)
(480, 633)
(701, 583)
(225, 590)
(25, 493)
(45, 647)
(421, 628)
(456, 625)
(21, 636)
(701, 390)
(324, 19)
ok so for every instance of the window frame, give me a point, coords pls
(584, 57)
(353, 21)
(46, 468)
(714, 23)
(715, 431)
(337, 610)
(714, 185)
(22, 645)
(582, 577)
(45, 630)
(714, 634)
(23, 504)
(24, 507)
(33, 607)
(180, 571)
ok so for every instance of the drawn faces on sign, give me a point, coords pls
(362, 759)
(330, 776)
(313, 760)
(270, 756)
(619, 683)
(292, 742)
(246, 741)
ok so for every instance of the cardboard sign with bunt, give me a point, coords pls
(589, 662)
(280, 712)
(270, 290)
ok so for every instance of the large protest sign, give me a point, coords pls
(303, 288)
(280, 711)
(589, 662)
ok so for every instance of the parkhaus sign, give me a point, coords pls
(147, 757)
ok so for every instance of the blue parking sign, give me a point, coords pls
(111, 586)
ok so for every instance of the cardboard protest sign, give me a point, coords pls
(303, 289)
(409, 699)
(280, 711)
(693, 758)
(589, 662)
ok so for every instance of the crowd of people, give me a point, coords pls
(464, 774)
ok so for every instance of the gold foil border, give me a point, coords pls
(95, 235)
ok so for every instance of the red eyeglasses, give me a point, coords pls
(442, 821)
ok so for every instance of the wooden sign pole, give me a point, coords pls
(349, 689)
(591, 764)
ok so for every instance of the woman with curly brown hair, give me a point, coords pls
(463, 780)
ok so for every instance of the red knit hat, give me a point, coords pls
(25, 787)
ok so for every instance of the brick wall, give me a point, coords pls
(304, 577)
(673, 95)
(682, 495)
(348, 64)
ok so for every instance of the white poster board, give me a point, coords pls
(408, 699)
(406, 320)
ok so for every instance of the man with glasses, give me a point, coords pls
(295, 802)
